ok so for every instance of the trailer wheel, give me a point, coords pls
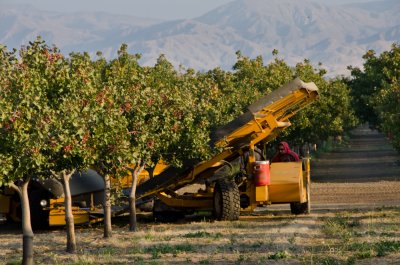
(226, 200)
(298, 208)
(39, 216)
(302, 208)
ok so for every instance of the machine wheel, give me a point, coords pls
(226, 200)
(302, 208)
(298, 208)
(39, 217)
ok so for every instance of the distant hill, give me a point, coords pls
(336, 36)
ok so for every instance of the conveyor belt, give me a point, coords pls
(166, 178)
(258, 106)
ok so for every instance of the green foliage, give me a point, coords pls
(385, 247)
(386, 100)
(364, 250)
(216, 96)
(376, 91)
(340, 226)
(364, 84)
(25, 111)
(107, 251)
(70, 144)
(200, 234)
(331, 115)
(175, 122)
(108, 127)
(157, 250)
(388, 109)
(114, 113)
(379, 72)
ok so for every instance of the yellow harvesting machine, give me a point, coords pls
(229, 182)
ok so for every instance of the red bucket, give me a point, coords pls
(261, 173)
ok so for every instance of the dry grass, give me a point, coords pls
(268, 237)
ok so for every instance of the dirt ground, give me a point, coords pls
(364, 173)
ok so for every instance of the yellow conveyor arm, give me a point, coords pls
(263, 121)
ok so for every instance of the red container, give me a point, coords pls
(261, 173)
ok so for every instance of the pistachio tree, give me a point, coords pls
(388, 110)
(364, 84)
(72, 85)
(257, 79)
(24, 126)
(386, 100)
(109, 137)
(126, 76)
(159, 108)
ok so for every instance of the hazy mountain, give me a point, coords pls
(71, 32)
(337, 36)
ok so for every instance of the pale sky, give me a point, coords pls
(159, 9)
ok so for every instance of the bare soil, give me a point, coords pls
(363, 173)
(355, 220)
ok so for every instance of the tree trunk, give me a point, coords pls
(69, 218)
(132, 197)
(107, 207)
(27, 232)
(151, 171)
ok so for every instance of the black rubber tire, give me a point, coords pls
(226, 201)
(302, 208)
(298, 208)
(39, 217)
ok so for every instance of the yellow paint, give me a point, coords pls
(262, 193)
(57, 213)
(198, 202)
(286, 182)
(126, 181)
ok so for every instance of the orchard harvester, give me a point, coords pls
(239, 178)
(236, 179)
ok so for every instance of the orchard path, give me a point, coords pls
(366, 173)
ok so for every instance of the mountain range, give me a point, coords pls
(336, 36)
